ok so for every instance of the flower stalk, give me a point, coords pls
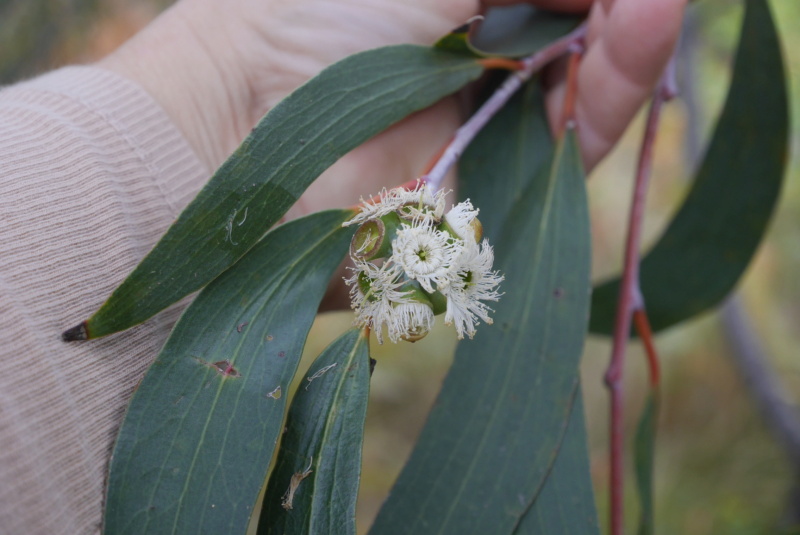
(467, 132)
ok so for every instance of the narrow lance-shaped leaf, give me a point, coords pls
(711, 240)
(294, 143)
(495, 430)
(512, 150)
(196, 443)
(565, 504)
(510, 31)
(644, 457)
(314, 485)
(521, 30)
(503, 159)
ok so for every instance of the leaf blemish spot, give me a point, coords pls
(319, 373)
(223, 367)
(282, 354)
(275, 394)
(558, 292)
(242, 326)
(229, 225)
(268, 338)
(294, 483)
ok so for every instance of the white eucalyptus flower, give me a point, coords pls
(422, 205)
(412, 261)
(426, 255)
(410, 321)
(476, 283)
(388, 201)
(418, 204)
(374, 292)
(462, 219)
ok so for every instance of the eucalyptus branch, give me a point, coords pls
(631, 300)
(467, 132)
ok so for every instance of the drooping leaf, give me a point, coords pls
(565, 504)
(458, 40)
(314, 485)
(497, 426)
(196, 442)
(521, 30)
(510, 31)
(294, 143)
(711, 240)
(644, 458)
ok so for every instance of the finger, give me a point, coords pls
(621, 67)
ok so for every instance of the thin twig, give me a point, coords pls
(467, 132)
(568, 112)
(631, 300)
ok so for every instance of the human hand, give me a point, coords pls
(218, 67)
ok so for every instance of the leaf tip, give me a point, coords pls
(77, 333)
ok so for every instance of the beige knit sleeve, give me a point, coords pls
(92, 172)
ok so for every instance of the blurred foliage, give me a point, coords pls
(32, 30)
(717, 468)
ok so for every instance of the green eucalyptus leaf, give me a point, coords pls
(497, 427)
(505, 156)
(511, 31)
(566, 502)
(521, 30)
(314, 485)
(336, 111)
(711, 240)
(196, 442)
(458, 40)
(644, 459)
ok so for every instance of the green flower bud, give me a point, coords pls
(373, 239)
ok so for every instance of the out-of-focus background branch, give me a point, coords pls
(727, 454)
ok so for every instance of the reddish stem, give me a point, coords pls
(642, 325)
(502, 63)
(568, 119)
(631, 301)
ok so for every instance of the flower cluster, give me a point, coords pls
(413, 261)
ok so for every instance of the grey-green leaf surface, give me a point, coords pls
(565, 504)
(510, 31)
(314, 485)
(521, 30)
(711, 240)
(294, 143)
(498, 423)
(196, 442)
(644, 460)
(505, 156)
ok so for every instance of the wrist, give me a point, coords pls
(183, 60)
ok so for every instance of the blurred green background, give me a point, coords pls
(719, 469)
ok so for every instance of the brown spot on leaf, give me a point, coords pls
(297, 478)
(223, 367)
